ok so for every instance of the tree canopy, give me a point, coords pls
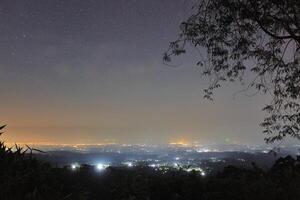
(257, 36)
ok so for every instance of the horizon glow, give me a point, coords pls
(91, 72)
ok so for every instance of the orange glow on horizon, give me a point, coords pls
(181, 142)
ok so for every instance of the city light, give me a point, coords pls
(101, 166)
(152, 165)
(176, 165)
(75, 166)
(129, 164)
(196, 169)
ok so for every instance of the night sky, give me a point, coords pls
(91, 71)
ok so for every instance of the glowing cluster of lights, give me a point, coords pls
(153, 165)
(196, 169)
(204, 150)
(101, 166)
(128, 164)
(176, 165)
(75, 166)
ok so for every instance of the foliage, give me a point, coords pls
(24, 177)
(243, 36)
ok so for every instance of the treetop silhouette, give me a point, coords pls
(260, 36)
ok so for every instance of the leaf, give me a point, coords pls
(1, 127)
(40, 151)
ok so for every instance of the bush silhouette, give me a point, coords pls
(24, 177)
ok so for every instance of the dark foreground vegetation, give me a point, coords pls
(24, 177)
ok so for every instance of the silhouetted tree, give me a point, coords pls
(262, 36)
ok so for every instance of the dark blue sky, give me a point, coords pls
(91, 71)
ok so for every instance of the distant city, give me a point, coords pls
(198, 158)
